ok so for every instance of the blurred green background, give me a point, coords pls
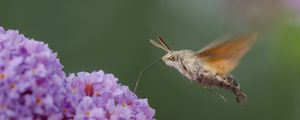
(113, 35)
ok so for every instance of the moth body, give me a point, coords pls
(211, 66)
(192, 67)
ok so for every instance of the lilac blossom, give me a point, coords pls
(31, 79)
(97, 95)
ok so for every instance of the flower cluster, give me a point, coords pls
(34, 86)
(98, 96)
(31, 79)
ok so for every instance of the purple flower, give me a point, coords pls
(97, 95)
(34, 86)
(31, 79)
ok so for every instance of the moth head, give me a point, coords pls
(171, 58)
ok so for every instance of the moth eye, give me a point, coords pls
(172, 58)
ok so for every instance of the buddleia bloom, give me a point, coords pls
(97, 95)
(34, 86)
(31, 79)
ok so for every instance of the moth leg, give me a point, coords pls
(215, 93)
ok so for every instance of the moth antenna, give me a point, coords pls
(216, 93)
(161, 40)
(140, 74)
(159, 45)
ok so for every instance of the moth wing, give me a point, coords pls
(223, 56)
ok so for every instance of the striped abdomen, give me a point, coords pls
(227, 83)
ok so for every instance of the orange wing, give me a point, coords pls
(223, 56)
